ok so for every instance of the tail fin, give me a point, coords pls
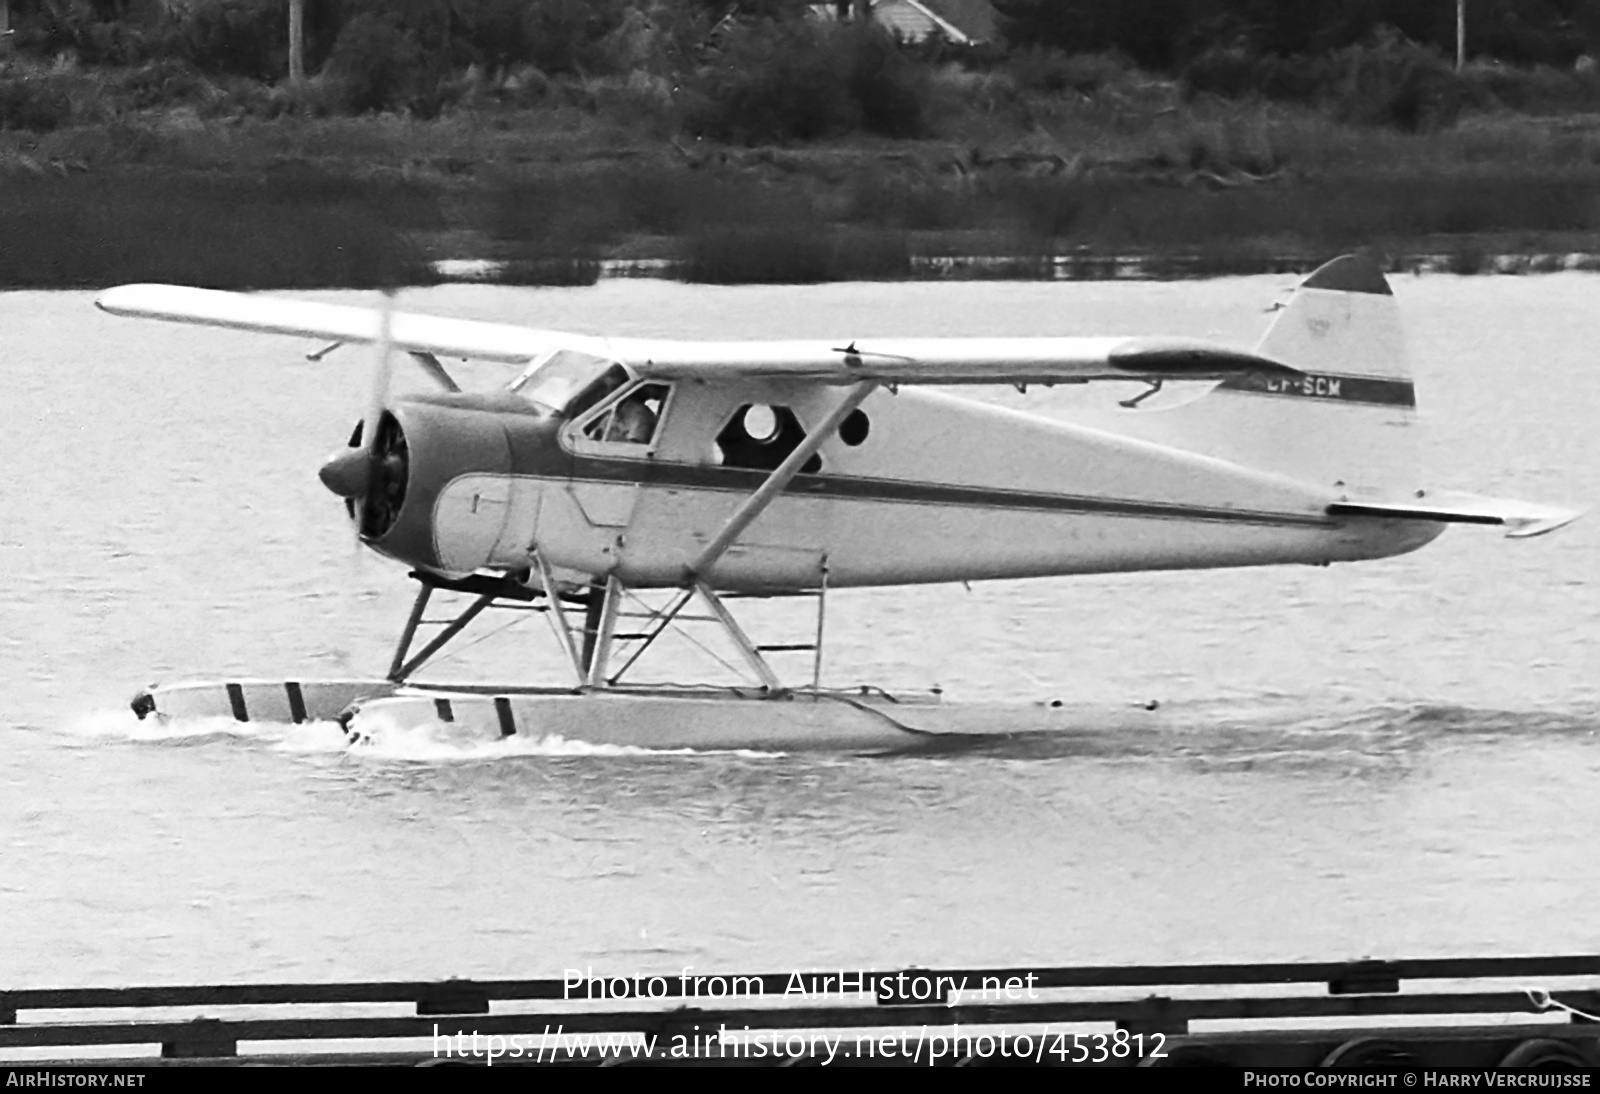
(1349, 421)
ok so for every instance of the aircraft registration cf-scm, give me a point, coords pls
(705, 471)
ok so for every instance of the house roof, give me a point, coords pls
(957, 20)
(977, 19)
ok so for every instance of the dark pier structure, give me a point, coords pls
(1528, 1012)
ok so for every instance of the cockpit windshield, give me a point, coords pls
(570, 382)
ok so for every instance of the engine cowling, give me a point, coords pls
(435, 490)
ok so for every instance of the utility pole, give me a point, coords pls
(5, 27)
(297, 54)
(1461, 33)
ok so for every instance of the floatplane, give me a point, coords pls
(610, 470)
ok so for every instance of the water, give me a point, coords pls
(1397, 758)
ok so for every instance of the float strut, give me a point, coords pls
(822, 618)
(558, 617)
(752, 656)
(410, 631)
(610, 598)
(591, 622)
(443, 636)
(663, 619)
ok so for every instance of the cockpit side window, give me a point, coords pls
(632, 419)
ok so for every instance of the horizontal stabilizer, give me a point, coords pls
(336, 322)
(1520, 518)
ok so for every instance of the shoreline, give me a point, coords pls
(305, 225)
(553, 273)
(1058, 267)
(364, 202)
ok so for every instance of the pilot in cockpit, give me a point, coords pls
(633, 422)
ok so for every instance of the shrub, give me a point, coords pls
(568, 36)
(34, 101)
(1042, 69)
(496, 34)
(376, 64)
(118, 42)
(888, 87)
(801, 80)
(236, 37)
(1396, 82)
(640, 94)
(1536, 90)
(92, 35)
(772, 82)
(162, 82)
(1235, 72)
(1230, 71)
(561, 37)
(1389, 80)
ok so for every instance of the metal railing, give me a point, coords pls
(1160, 1001)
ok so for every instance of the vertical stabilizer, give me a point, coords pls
(1349, 421)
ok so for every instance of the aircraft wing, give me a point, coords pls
(890, 361)
(947, 360)
(1520, 518)
(339, 322)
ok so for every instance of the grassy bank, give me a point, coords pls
(168, 194)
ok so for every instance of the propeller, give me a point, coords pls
(369, 473)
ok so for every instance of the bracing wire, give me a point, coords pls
(677, 628)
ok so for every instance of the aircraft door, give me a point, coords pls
(605, 441)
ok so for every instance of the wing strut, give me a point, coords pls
(756, 503)
(430, 364)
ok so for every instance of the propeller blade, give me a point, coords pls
(382, 371)
(359, 474)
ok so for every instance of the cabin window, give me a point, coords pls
(854, 429)
(760, 437)
(761, 424)
(632, 419)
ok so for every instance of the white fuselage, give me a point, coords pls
(939, 489)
